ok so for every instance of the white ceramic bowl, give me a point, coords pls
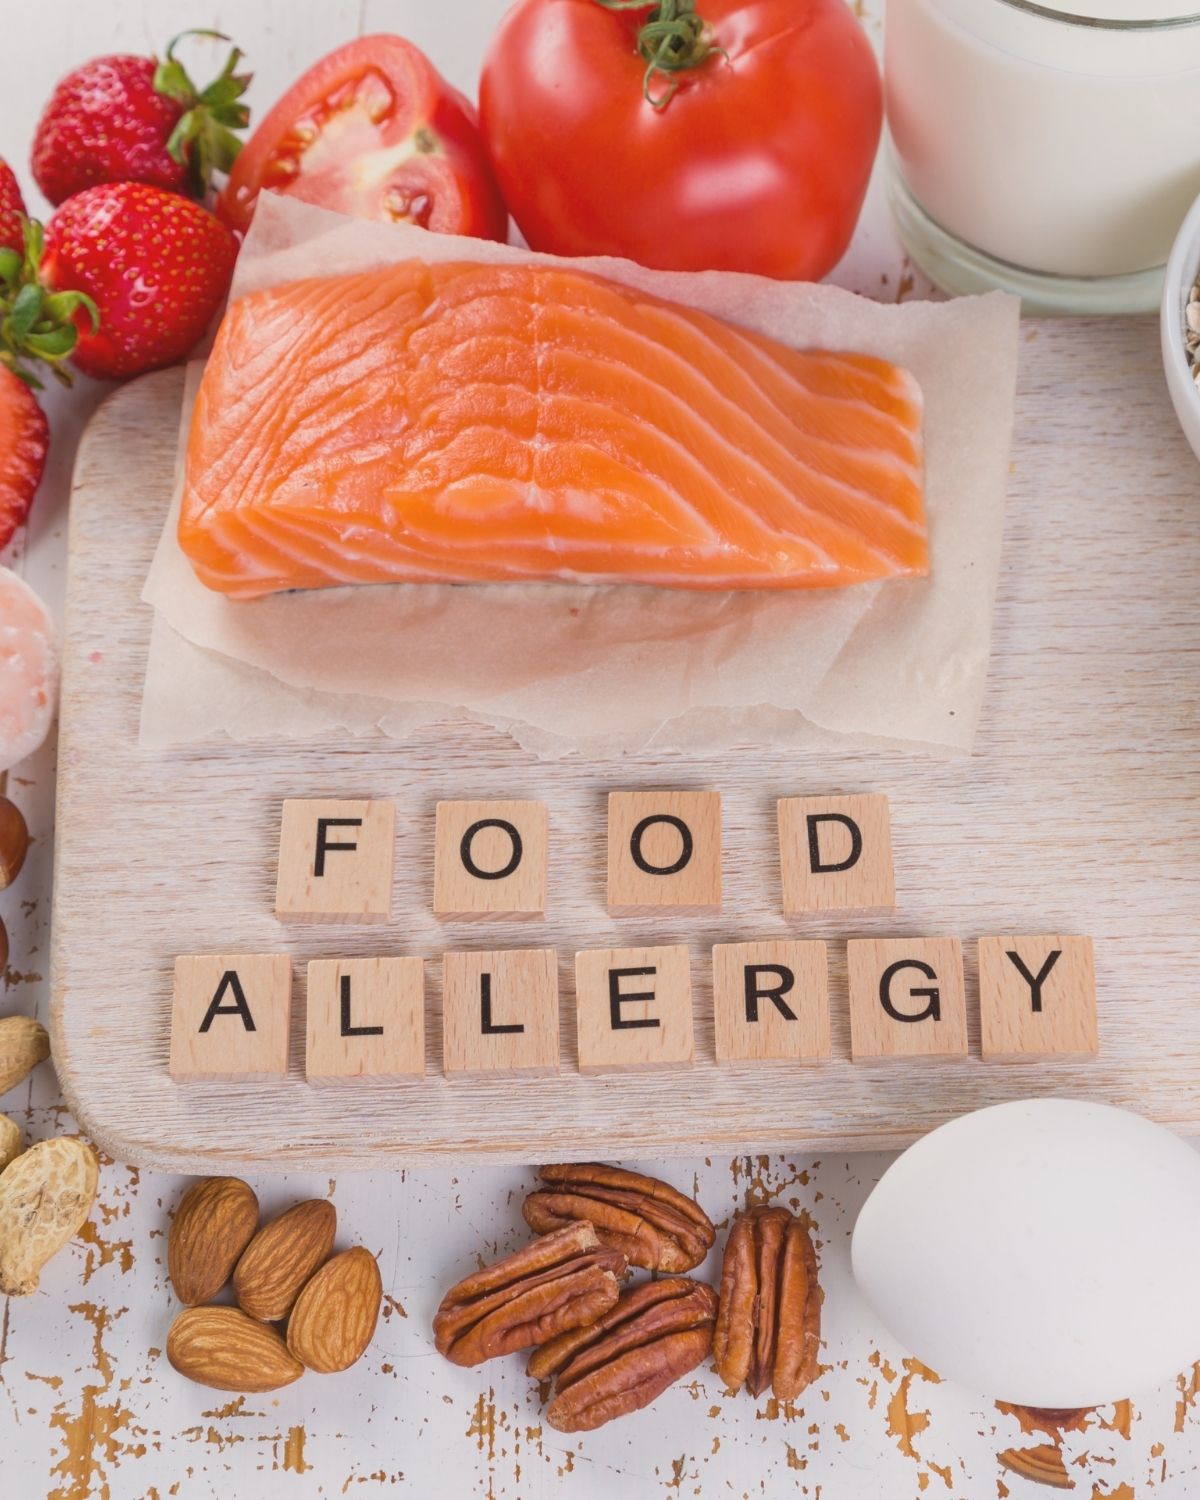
(1183, 267)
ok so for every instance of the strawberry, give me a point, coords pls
(135, 119)
(24, 438)
(12, 208)
(155, 265)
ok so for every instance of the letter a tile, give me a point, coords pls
(907, 998)
(835, 854)
(335, 861)
(230, 1015)
(1037, 997)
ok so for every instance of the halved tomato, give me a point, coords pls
(372, 130)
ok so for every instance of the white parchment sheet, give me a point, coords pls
(571, 668)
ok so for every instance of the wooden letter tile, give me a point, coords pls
(664, 849)
(771, 1000)
(335, 861)
(366, 1019)
(500, 1012)
(907, 998)
(1037, 996)
(229, 1016)
(490, 859)
(633, 1009)
(835, 854)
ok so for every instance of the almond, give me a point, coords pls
(222, 1347)
(213, 1224)
(23, 1044)
(45, 1195)
(281, 1257)
(334, 1318)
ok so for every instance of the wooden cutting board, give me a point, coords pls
(1079, 812)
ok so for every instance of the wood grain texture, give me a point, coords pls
(1079, 812)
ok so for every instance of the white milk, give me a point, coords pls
(1056, 146)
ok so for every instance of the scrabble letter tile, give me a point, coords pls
(500, 1012)
(907, 998)
(335, 861)
(664, 849)
(230, 1015)
(771, 1000)
(633, 1009)
(366, 1019)
(1037, 995)
(835, 854)
(490, 859)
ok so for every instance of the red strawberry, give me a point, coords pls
(134, 119)
(156, 265)
(24, 438)
(12, 207)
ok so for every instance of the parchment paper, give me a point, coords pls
(567, 668)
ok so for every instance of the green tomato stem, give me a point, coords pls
(671, 40)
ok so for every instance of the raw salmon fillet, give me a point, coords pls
(464, 422)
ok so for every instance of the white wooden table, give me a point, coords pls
(89, 1406)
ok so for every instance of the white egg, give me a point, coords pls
(1042, 1252)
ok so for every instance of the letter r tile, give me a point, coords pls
(907, 998)
(835, 854)
(335, 861)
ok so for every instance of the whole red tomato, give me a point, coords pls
(748, 149)
(372, 130)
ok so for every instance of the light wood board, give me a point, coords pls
(1078, 813)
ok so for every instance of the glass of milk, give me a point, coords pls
(1049, 150)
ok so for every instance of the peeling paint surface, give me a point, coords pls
(89, 1407)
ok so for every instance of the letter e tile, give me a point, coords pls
(633, 1009)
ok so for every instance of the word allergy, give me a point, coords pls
(633, 1005)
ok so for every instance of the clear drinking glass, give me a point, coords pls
(1041, 150)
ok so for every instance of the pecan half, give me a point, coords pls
(560, 1281)
(654, 1334)
(653, 1224)
(769, 1327)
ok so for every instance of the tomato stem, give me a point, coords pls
(672, 38)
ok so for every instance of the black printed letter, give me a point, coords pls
(1035, 981)
(464, 849)
(818, 866)
(932, 1011)
(485, 1010)
(324, 848)
(347, 1029)
(616, 998)
(685, 853)
(755, 992)
(231, 982)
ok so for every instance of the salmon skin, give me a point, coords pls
(464, 422)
